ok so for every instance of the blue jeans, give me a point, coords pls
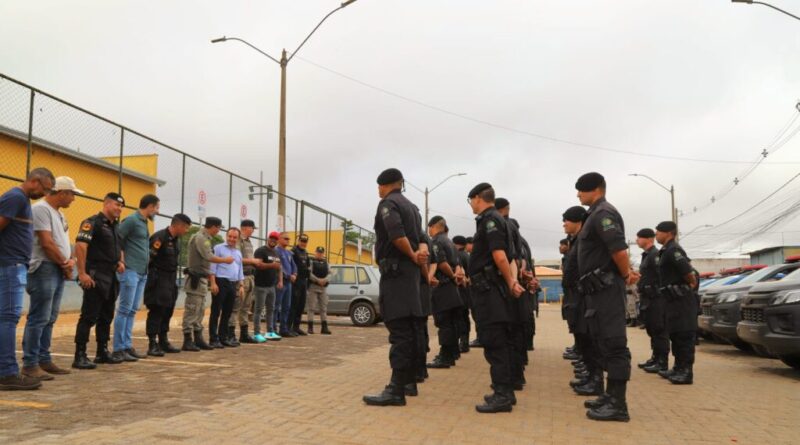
(283, 306)
(131, 290)
(45, 286)
(12, 289)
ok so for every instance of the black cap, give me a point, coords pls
(469, 240)
(590, 181)
(320, 249)
(435, 220)
(303, 237)
(459, 240)
(116, 197)
(478, 189)
(212, 221)
(574, 214)
(666, 226)
(248, 223)
(182, 218)
(501, 203)
(564, 242)
(390, 176)
(646, 233)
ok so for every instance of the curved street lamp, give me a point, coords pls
(428, 192)
(284, 60)
(752, 2)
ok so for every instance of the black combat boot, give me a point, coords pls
(682, 376)
(579, 381)
(165, 345)
(488, 397)
(650, 362)
(667, 373)
(245, 337)
(463, 345)
(578, 362)
(232, 337)
(103, 356)
(410, 389)
(392, 395)
(81, 360)
(594, 387)
(132, 352)
(598, 402)
(616, 409)
(659, 365)
(297, 329)
(310, 327)
(152, 347)
(440, 362)
(188, 343)
(217, 344)
(325, 330)
(199, 342)
(571, 356)
(475, 344)
(499, 402)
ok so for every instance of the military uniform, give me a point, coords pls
(529, 300)
(199, 254)
(421, 323)
(299, 288)
(463, 290)
(517, 311)
(681, 309)
(653, 309)
(102, 258)
(317, 293)
(446, 302)
(400, 303)
(161, 290)
(243, 306)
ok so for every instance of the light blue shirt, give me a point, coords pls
(233, 271)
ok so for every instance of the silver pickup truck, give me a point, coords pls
(353, 291)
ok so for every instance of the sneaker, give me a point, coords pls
(259, 338)
(274, 336)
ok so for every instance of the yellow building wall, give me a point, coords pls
(96, 181)
(337, 255)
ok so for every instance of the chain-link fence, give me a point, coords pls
(40, 130)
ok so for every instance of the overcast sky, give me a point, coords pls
(693, 79)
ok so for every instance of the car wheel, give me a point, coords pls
(792, 360)
(761, 351)
(362, 314)
(742, 346)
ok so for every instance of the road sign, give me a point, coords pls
(201, 197)
(243, 211)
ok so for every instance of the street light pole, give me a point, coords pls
(284, 62)
(427, 192)
(751, 2)
(670, 190)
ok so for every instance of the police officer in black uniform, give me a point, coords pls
(605, 270)
(652, 303)
(300, 286)
(446, 301)
(493, 288)
(677, 281)
(161, 290)
(463, 289)
(529, 281)
(99, 254)
(397, 235)
(421, 323)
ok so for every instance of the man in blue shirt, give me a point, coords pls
(16, 245)
(227, 284)
(135, 237)
(283, 301)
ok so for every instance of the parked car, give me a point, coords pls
(353, 291)
(705, 318)
(726, 309)
(770, 318)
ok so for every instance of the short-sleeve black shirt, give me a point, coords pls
(571, 274)
(648, 268)
(603, 233)
(266, 277)
(443, 251)
(396, 217)
(673, 264)
(102, 238)
(301, 259)
(491, 235)
(164, 251)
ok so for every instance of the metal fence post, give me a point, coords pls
(121, 155)
(302, 217)
(261, 233)
(30, 134)
(230, 199)
(183, 182)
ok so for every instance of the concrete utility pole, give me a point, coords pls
(671, 190)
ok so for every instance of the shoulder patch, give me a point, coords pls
(86, 226)
(207, 242)
(607, 224)
(157, 244)
(491, 225)
(678, 255)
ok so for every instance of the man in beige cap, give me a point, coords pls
(52, 262)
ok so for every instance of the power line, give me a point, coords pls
(519, 131)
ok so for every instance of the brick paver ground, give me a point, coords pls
(308, 391)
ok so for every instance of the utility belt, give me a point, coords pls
(249, 273)
(390, 267)
(484, 280)
(649, 291)
(194, 278)
(595, 281)
(677, 291)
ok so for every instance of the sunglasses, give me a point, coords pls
(285, 239)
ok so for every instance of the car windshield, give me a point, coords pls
(724, 281)
(755, 277)
(708, 282)
(795, 275)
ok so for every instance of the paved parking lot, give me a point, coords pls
(308, 390)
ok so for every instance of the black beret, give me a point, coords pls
(469, 240)
(646, 233)
(213, 221)
(435, 220)
(460, 240)
(514, 221)
(501, 203)
(248, 223)
(478, 189)
(574, 214)
(390, 176)
(666, 226)
(320, 249)
(116, 197)
(183, 218)
(590, 181)
(564, 242)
